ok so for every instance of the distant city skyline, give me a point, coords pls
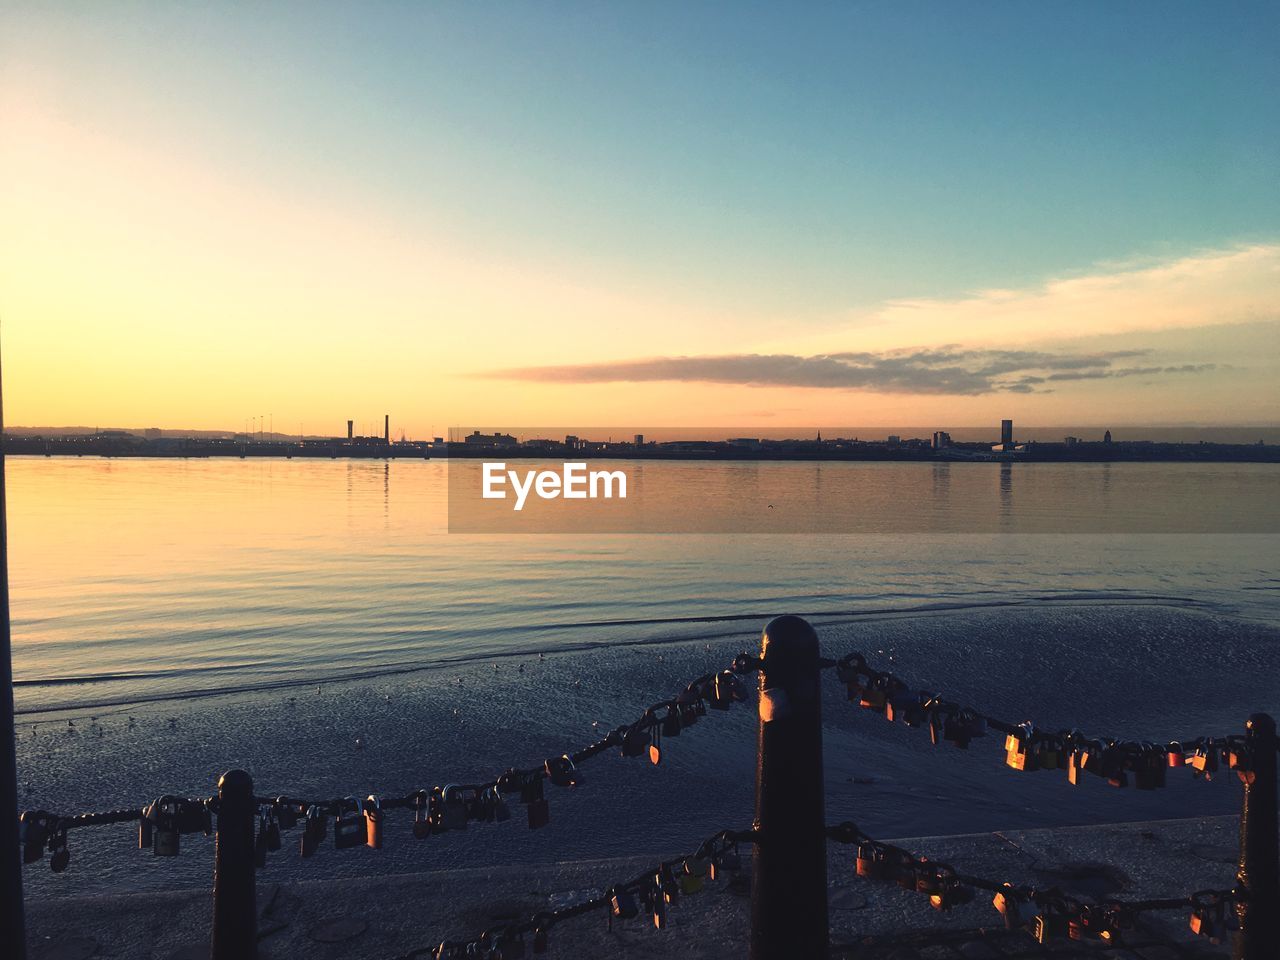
(742, 214)
(1221, 433)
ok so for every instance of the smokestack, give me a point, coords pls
(350, 429)
(386, 428)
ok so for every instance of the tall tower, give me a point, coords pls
(351, 429)
(1006, 431)
(386, 428)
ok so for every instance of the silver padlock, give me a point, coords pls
(349, 828)
(453, 810)
(166, 837)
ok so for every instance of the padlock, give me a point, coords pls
(671, 724)
(1239, 760)
(451, 809)
(537, 808)
(726, 861)
(146, 827)
(656, 903)
(540, 940)
(562, 772)
(928, 877)
(1009, 906)
(622, 905)
(950, 893)
(35, 834)
(286, 813)
(847, 673)
(721, 697)
(692, 872)
(1151, 768)
(873, 695)
(498, 809)
(1175, 755)
(1046, 927)
(935, 720)
(509, 945)
(667, 885)
(1075, 766)
(1020, 751)
(1208, 917)
(634, 741)
(314, 828)
(166, 837)
(260, 838)
(1204, 760)
(903, 871)
(1086, 925)
(373, 822)
(60, 856)
(870, 862)
(348, 826)
(957, 730)
(273, 829)
(912, 711)
(193, 816)
(1048, 750)
(421, 821)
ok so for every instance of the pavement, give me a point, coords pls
(383, 917)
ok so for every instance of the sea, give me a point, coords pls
(315, 623)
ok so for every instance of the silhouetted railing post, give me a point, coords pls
(235, 900)
(12, 924)
(1259, 875)
(789, 862)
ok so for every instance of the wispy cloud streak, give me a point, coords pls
(943, 370)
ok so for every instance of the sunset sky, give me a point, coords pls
(670, 213)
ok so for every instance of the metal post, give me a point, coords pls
(13, 933)
(789, 861)
(1259, 875)
(235, 901)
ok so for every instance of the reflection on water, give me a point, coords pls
(174, 576)
(674, 496)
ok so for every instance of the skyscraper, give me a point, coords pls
(1006, 431)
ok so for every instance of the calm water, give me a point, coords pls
(218, 604)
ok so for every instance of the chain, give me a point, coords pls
(437, 809)
(649, 892)
(1027, 748)
(1046, 914)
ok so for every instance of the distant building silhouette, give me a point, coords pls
(1106, 437)
(478, 439)
(1006, 431)
(941, 439)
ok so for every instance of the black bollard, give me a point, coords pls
(789, 861)
(235, 900)
(1258, 878)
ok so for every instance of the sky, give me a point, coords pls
(666, 213)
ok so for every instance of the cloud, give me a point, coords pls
(1201, 291)
(947, 370)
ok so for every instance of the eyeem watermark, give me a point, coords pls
(573, 482)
